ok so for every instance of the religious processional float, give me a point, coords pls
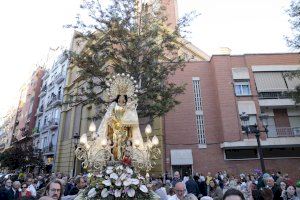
(116, 153)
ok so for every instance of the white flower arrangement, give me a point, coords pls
(117, 182)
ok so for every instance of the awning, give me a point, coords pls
(181, 157)
(247, 107)
(240, 73)
(269, 82)
(292, 83)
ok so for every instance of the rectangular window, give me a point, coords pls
(242, 88)
(45, 143)
(197, 94)
(199, 111)
(200, 129)
(240, 154)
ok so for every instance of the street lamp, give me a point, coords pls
(76, 137)
(254, 129)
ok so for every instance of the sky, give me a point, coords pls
(30, 28)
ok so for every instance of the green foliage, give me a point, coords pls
(20, 156)
(294, 41)
(128, 38)
(294, 13)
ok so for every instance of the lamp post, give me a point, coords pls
(254, 129)
(76, 137)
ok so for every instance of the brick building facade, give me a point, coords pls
(204, 134)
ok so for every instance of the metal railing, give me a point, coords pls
(49, 149)
(283, 132)
(59, 78)
(273, 95)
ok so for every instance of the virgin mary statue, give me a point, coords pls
(120, 124)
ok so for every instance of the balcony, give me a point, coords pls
(35, 132)
(50, 86)
(275, 99)
(53, 124)
(43, 91)
(49, 150)
(46, 75)
(40, 111)
(275, 132)
(59, 78)
(56, 101)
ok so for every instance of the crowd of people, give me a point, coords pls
(220, 186)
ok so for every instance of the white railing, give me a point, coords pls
(283, 132)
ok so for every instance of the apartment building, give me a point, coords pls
(49, 109)
(27, 107)
(204, 133)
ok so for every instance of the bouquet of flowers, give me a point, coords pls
(117, 182)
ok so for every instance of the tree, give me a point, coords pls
(294, 42)
(20, 156)
(129, 37)
(294, 13)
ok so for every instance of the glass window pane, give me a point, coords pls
(238, 90)
(246, 89)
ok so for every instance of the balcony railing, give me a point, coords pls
(273, 95)
(283, 132)
(46, 75)
(49, 149)
(54, 101)
(40, 111)
(59, 78)
(53, 123)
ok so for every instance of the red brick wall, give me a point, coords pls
(221, 117)
(281, 118)
(171, 12)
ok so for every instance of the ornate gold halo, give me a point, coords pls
(120, 84)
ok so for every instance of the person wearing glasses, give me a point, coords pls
(25, 193)
(179, 192)
(53, 190)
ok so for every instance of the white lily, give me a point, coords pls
(118, 183)
(104, 193)
(143, 188)
(107, 182)
(129, 170)
(109, 171)
(120, 167)
(131, 192)
(117, 193)
(110, 167)
(123, 176)
(114, 176)
(99, 175)
(127, 182)
(135, 181)
(92, 193)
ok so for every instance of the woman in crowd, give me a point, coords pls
(215, 191)
(25, 193)
(290, 193)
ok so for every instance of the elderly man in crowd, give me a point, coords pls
(179, 192)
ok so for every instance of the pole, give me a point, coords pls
(261, 157)
(74, 163)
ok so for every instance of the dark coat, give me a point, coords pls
(6, 194)
(202, 188)
(192, 187)
(74, 191)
